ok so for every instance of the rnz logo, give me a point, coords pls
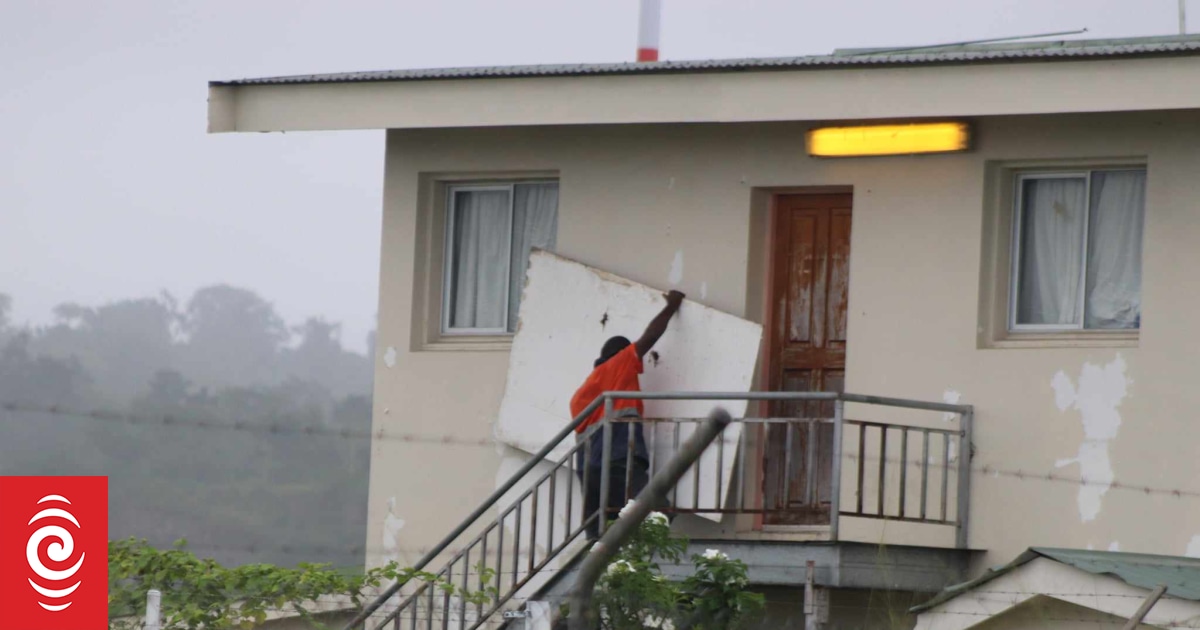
(54, 551)
(61, 550)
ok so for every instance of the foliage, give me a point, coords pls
(633, 594)
(200, 593)
(715, 595)
(221, 357)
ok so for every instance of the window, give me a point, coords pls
(490, 230)
(1077, 251)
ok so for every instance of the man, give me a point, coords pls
(617, 369)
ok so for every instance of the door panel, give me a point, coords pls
(809, 301)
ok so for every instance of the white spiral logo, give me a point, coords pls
(59, 551)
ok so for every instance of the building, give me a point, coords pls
(1006, 282)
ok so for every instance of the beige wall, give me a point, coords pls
(634, 196)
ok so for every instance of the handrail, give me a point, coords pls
(903, 403)
(966, 415)
(476, 513)
(606, 400)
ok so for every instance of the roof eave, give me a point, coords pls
(759, 95)
(849, 59)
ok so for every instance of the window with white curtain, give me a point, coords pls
(490, 230)
(1077, 260)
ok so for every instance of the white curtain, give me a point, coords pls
(535, 224)
(1052, 233)
(1114, 267)
(479, 251)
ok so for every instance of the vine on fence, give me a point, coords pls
(200, 593)
(633, 594)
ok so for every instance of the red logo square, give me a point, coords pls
(54, 553)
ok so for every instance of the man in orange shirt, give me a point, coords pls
(617, 369)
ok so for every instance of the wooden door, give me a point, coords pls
(807, 342)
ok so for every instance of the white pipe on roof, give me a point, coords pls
(649, 24)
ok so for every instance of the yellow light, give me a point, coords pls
(942, 137)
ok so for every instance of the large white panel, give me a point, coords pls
(567, 312)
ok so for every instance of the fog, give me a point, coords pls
(153, 270)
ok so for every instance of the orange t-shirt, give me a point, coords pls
(618, 374)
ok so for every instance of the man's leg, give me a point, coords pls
(616, 488)
(640, 477)
(591, 500)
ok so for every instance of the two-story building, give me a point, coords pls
(1006, 232)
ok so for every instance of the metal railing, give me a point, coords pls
(473, 520)
(517, 551)
(897, 471)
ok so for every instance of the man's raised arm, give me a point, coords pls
(658, 325)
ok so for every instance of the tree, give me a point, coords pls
(5, 310)
(121, 344)
(25, 378)
(172, 385)
(233, 337)
(320, 358)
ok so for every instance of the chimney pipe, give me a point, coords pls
(648, 27)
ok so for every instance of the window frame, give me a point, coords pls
(448, 251)
(1016, 249)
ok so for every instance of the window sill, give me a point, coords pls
(1087, 339)
(468, 343)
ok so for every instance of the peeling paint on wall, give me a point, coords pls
(1099, 392)
(676, 274)
(703, 290)
(951, 397)
(1114, 545)
(389, 357)
(1193, 548)
(392, 524)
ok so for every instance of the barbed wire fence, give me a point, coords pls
(282, 427)
(311, 430)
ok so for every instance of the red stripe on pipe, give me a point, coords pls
(647, 54)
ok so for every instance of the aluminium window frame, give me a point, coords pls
(1018, 245)
(449, 251)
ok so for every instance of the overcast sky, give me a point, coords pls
(110, 188)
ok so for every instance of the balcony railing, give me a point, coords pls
(534, 523)
(815, 471)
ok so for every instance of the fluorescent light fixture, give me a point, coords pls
(939, 137)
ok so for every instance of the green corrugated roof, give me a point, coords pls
(1181, 575)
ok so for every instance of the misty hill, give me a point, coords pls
(176, 377)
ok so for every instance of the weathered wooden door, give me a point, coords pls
(807, 337)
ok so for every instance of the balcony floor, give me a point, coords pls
(840, 564)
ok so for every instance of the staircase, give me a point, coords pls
(501, 559)
(524, 541)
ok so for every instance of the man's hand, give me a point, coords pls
(658, 325)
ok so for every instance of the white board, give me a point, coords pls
(567, 312)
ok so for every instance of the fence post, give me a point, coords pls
(835, 493)
(605, 464)
(153, 602)
(966, 420)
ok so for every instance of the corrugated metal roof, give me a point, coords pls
(1181, 575)
(934, 55)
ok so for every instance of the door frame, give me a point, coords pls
(762, 408)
